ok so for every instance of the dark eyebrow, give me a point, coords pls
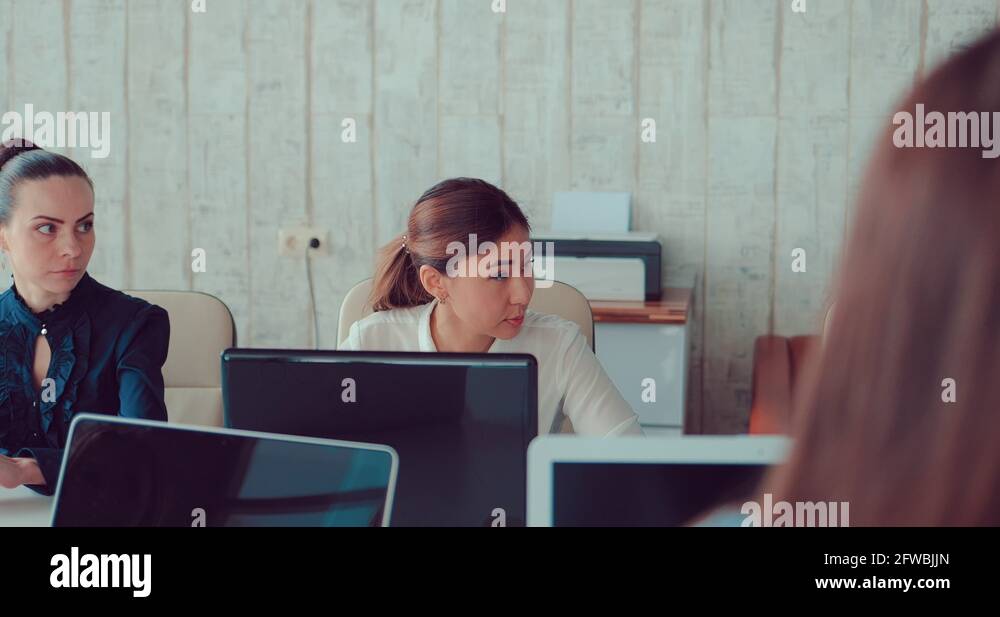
(50, 218)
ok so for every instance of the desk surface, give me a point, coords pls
(672, 308)
(22, 507)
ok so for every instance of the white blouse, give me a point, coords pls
(571, 381)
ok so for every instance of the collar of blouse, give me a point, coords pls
(58, 315)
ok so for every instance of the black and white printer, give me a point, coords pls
(594, 250)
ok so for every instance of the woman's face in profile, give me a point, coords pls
(488, 304)
(49, 237)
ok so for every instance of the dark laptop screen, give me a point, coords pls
(122, 474)
(646, 494)
(461, 423)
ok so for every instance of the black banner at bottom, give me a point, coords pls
(154, 566)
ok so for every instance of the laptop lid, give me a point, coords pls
(127, 472)
(461, 423)
(637, 481)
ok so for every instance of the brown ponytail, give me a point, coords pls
(449, 212)
(397, 283)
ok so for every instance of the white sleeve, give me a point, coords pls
(353, 342)
(591, 400)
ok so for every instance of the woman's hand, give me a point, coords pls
(17, 471)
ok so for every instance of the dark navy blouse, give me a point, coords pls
(108, 350)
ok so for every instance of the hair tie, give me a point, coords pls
(404, 245)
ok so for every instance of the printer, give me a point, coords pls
(604, 266)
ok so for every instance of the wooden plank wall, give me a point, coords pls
(227, 125)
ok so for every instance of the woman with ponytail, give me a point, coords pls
(68, 344)
(430, 297)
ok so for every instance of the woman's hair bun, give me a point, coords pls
(14, 147)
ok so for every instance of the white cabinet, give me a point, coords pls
(644, 348)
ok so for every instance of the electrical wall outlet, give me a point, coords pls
(294, 241)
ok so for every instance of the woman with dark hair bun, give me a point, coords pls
(68, 344)
(436, 290)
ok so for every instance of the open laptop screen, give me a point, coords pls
(646, 495)
(642, 482)
(120, 472)
(460, 423)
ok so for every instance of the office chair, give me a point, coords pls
(201, 328)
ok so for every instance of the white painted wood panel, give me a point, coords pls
(277, 168)
(97, 37)
(469, 91)
(672, 171)
(217, 155)
(342, 180)
(537, 120)
(741, 202)
(37, 67)
(811, 164)
(885, 56)
(157, 193)
(406, 118)
(603, 101)
(953, 24)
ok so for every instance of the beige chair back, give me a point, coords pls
(201, 328)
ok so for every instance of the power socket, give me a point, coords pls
(294, 241)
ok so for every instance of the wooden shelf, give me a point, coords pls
(673, 307)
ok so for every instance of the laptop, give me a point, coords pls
(461, 423)
(643, 481)
(123, 472)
